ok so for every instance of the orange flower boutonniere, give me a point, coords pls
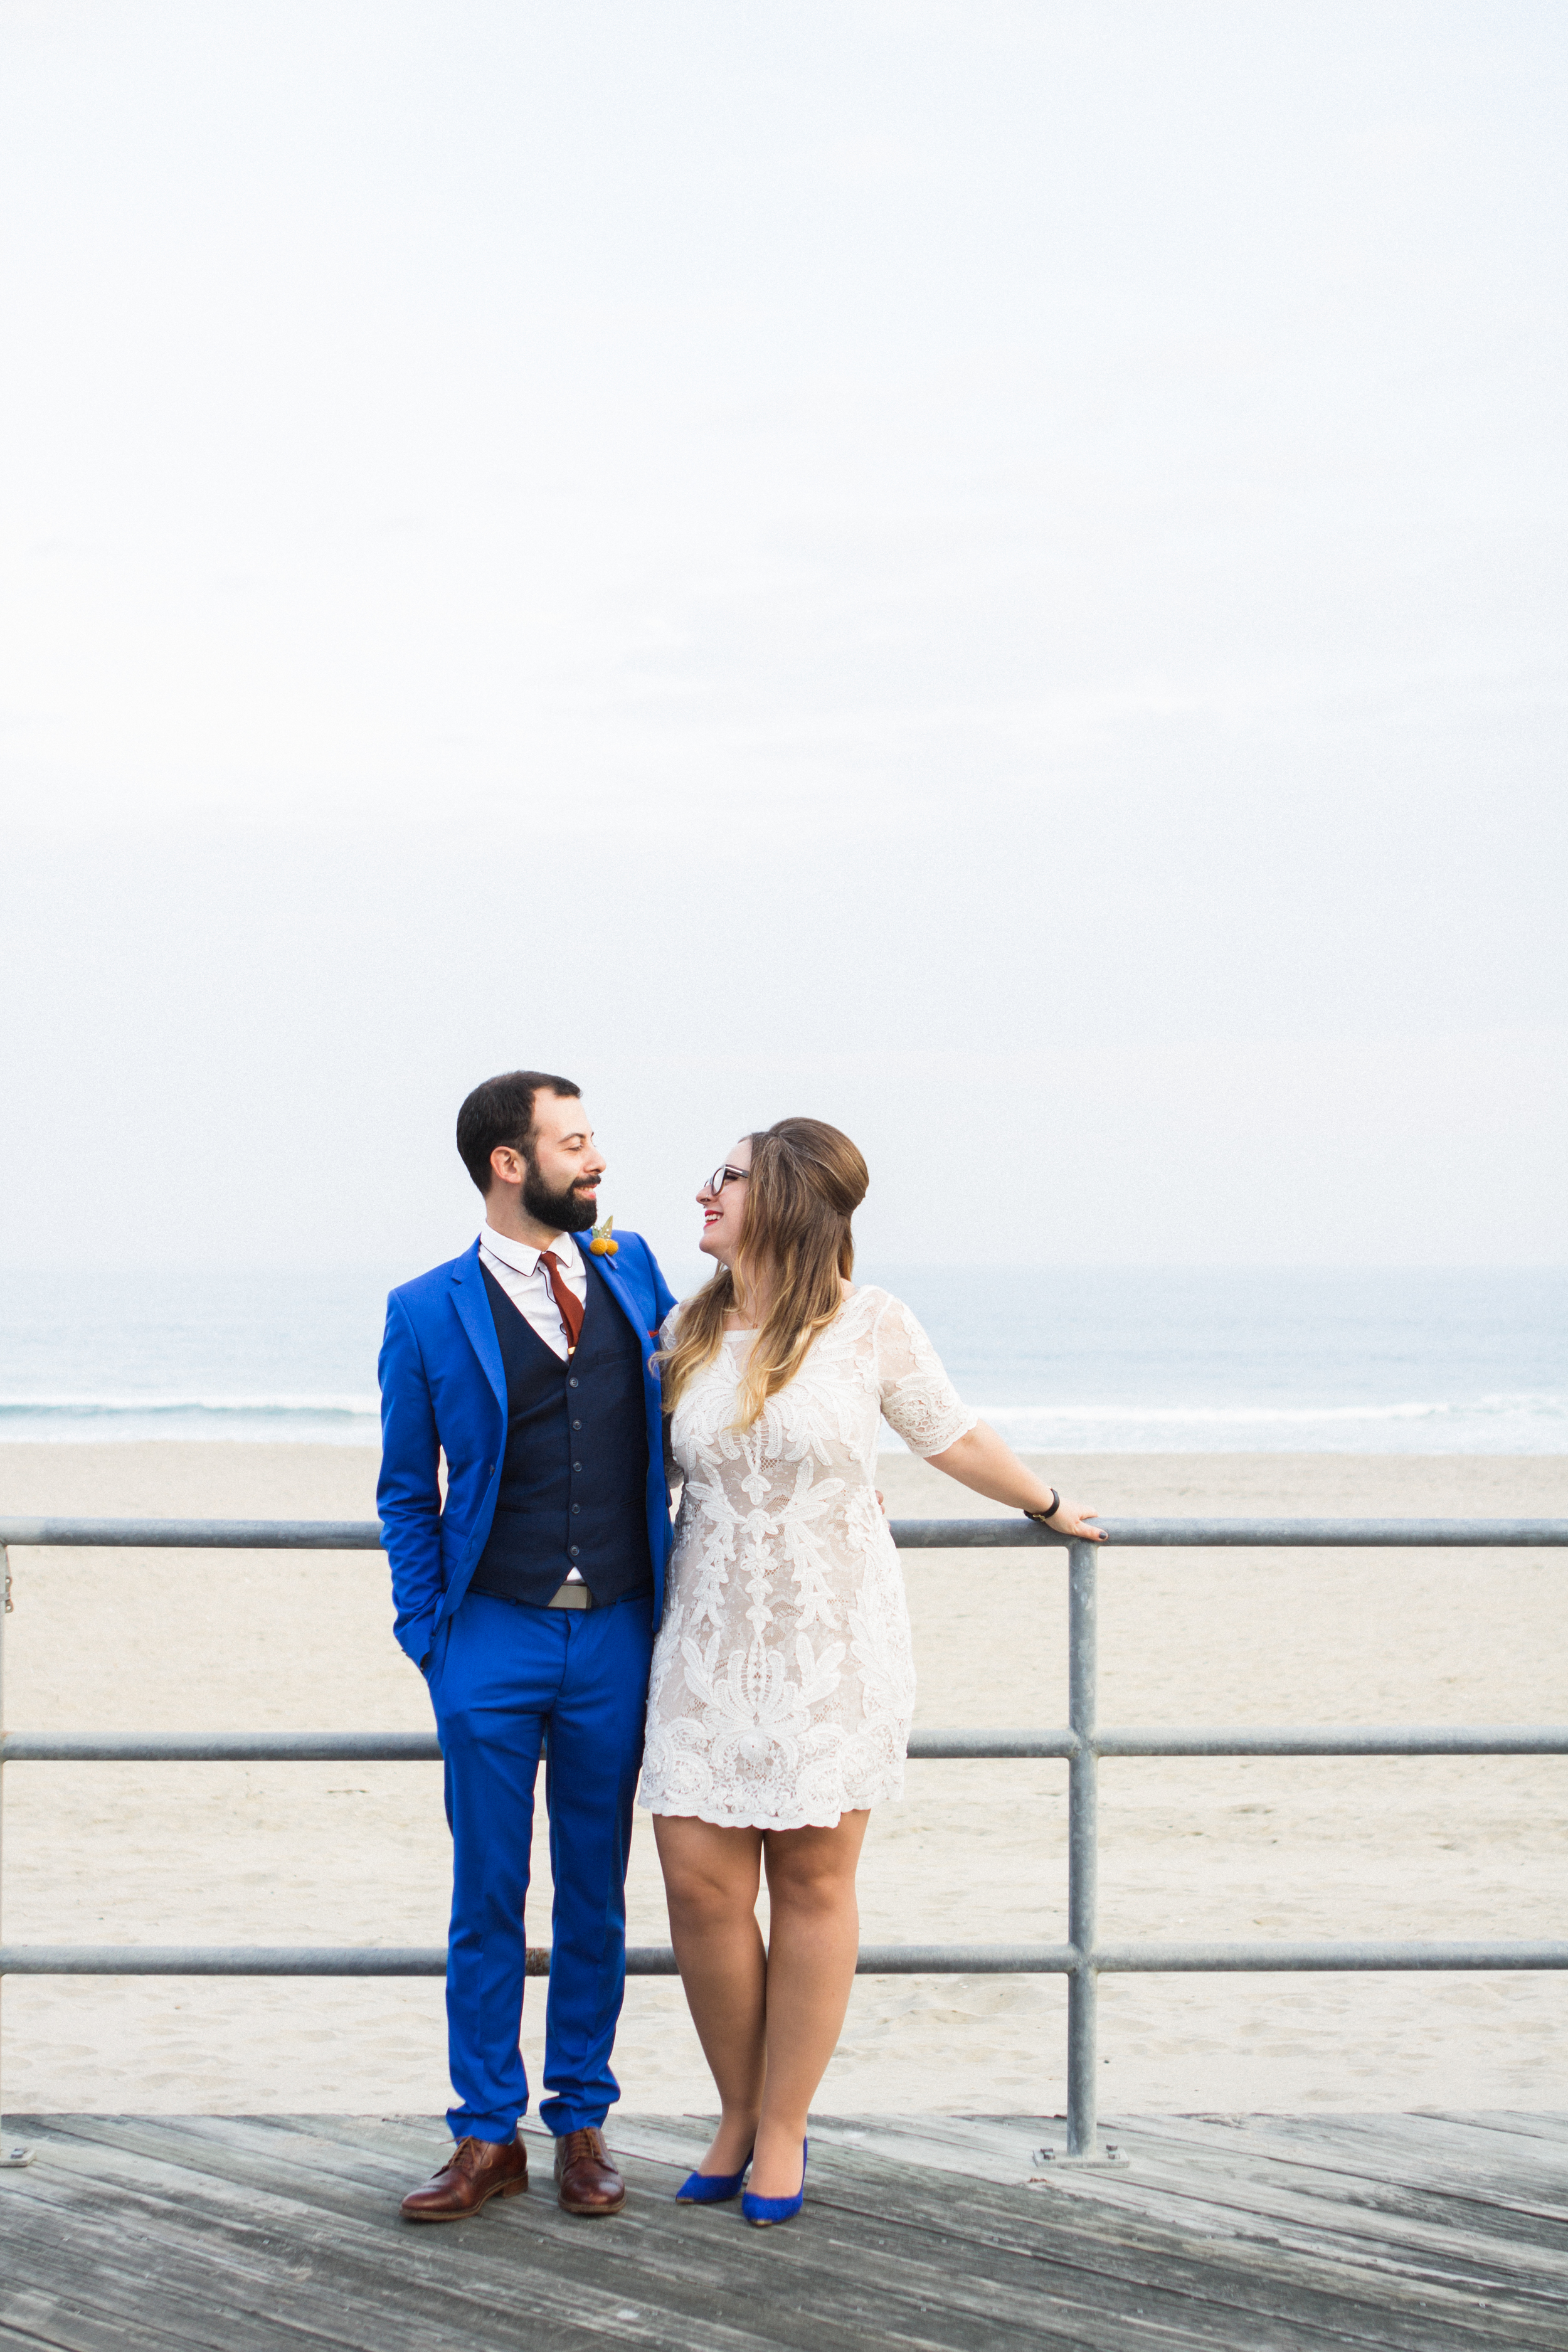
(601, 1242)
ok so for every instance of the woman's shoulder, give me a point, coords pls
(868, 1302)
(885, 1320)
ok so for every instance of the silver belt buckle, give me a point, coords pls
(571, 1596)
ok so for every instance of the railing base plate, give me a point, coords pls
(1055, 2160)
(12, 2158)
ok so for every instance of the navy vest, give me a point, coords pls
(573, 1483)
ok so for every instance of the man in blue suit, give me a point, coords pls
(528, 1599)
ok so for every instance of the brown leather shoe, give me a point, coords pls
(477, 2170)
(586, 2182)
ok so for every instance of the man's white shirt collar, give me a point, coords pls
(521, 1257)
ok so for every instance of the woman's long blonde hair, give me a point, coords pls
(807, 1182)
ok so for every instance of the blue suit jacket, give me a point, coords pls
(443, 1391)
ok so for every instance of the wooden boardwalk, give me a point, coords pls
(137, 2233)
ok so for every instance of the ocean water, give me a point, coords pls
(1081, 1361)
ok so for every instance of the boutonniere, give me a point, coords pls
(601, 1242)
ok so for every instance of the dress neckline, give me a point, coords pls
(749, 1332)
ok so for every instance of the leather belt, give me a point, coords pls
(571, 1596)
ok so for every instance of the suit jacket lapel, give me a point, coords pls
(615, 1284)
(474, 1314)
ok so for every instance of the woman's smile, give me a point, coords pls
(722, 1200)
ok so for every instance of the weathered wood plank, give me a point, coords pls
(1177, 2175)
(1390, 2146)
(861, 2310)
(1264, 2273)
(886, 2309)
(104, 2275)
(1516, 2123)
(293, 2224)
(1369, 2171)
(600, 2247)
(58, 2323)
(1380, 2267)
(319, 2293)
(906, 2266)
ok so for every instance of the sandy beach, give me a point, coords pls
(974, 1851)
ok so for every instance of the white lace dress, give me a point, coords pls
(784, 1681)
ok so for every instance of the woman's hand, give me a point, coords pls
(1072, 1520)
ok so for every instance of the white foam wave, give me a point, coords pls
(284, 1407)
(1254, 1416)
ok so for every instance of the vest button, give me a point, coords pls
(575, 1509)
(576, 1425)
(571, 1381)
(571, 1551)
(576, 1465)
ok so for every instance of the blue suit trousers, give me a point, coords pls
(509, 1682)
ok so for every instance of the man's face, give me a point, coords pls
(563, 1165)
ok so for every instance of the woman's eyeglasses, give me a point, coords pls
(722, 1176)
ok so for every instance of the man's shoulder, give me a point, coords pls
(425, 1289)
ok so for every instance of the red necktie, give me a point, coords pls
(571, 1313)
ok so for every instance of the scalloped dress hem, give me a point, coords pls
(734, 1822)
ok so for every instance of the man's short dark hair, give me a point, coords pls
(501, 1112)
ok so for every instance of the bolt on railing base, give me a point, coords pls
(12, 2158)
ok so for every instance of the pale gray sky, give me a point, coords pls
(992, 573)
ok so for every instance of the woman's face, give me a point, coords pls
(722, 1200)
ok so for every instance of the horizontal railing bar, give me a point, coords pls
(402, 1747)
(221, 1747)
(233, 1960)
(197, 1535)
(931, 1747)
(924, 1746)
(965, 1960)
(1006, 1535)
(875, 1959)
(911, 1534)
(430, 1960)
(1145, 1960)
(1346, 1739)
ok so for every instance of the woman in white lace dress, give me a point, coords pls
(782, 1685)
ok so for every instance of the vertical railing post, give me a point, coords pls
(9, 2155)
(1083, 1850)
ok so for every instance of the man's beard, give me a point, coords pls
(565, 1213)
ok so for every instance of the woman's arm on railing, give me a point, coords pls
(985, 1463)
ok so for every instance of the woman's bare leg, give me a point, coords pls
(812, 1946)
(711, 1878)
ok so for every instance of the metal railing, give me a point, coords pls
(1082, 1959)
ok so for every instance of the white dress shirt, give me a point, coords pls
(526, 1283)
(515, 1265)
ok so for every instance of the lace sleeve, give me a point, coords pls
(919, 1402)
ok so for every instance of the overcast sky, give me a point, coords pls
(995, 574)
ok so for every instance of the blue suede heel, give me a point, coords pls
(761, 2212)
(710, 2187)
